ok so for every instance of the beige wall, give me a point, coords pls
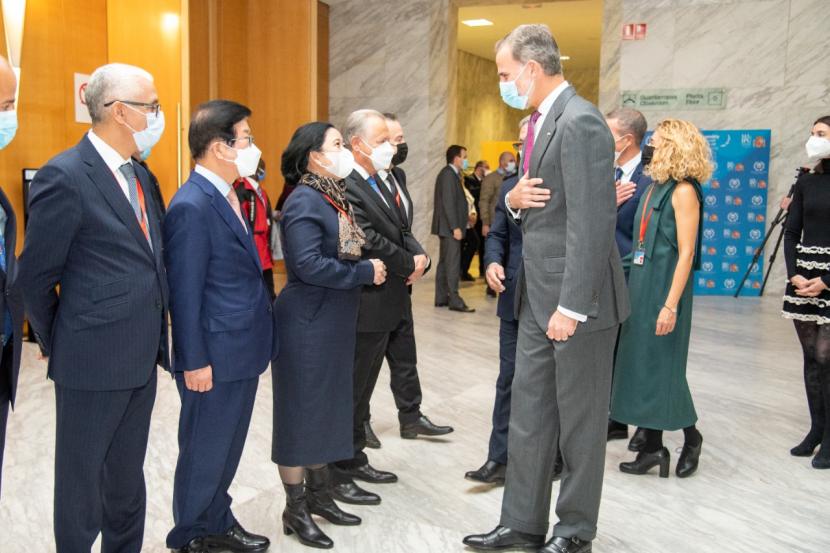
(481, 115)
(585, 81)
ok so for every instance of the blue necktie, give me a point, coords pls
(7, 316)
(618, 174)
(373, 183)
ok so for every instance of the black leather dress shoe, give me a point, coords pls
(558, 544)
(351, 493)
(424, 427)
(617, 431)
(689, 460)
(372, 440)
(370, 474)
(441, 304)
(196, 545)
(463, 309)
(503, 538)
(238, 540)
(646, 461)
(467, 277)
(490, 472)
(638, 440)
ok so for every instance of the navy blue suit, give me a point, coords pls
(504, 246)
(625, 213)
(11, 301)
(104, 334)
(221, 315)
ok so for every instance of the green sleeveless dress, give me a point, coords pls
(650, 388)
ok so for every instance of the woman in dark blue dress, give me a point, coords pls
(316, 320)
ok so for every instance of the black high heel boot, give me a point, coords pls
(320, 502)
(818, 414)
(638, 440)
(296, 519)
(646, 461)
(689, 459)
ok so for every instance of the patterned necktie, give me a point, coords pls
(530, 140)
(132, 187)
(234, 201)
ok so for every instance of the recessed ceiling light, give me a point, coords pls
(564, 58)
(477, 22)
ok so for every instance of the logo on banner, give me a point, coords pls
(755, 235)
(734, 184)
(746, 140)
(709, 233)
(707, 266)
(731, 251)
(757, 201)
(759, 166)
(753, 183)
(739, 167)
(729, 283)
(712, 250)
(711, 201)
(733, 216)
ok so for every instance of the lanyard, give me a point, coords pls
(338, 208)
(644, 219)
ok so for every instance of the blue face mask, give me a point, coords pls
(465, 164)
(145, 154)
(510, 92)
(8, 127)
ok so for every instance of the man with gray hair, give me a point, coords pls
(570, 299)
(94, 232)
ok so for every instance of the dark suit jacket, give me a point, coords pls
(107, 329)
(451, 208)
(412, 245)
(625, 213)
(11, 295)
(219, 304)
(504, 246)
(381, 307)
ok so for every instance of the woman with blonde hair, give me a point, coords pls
(650, 388)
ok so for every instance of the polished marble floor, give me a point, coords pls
(749, 495)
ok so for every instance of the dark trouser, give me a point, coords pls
(560, 404)
(268, 275)
(469, 248)
(212, 430)
(101, 441)
(370, 348)
(447, 274)
(402, 357)
(508, 334)
(5, 397)
(481, 241)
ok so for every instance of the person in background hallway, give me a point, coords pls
(570, 300)
(316, 321)
(450, 218)
(490, 194)
(503, 254)
(807, 299)
(94, 233)
(628, 127)
(650, 386)
(473, 242)
(401, 352)
(222, 322)
(256, 208)
(11, 297)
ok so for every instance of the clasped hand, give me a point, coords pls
(809, 288)
(526, 194)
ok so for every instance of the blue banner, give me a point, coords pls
(734, 212)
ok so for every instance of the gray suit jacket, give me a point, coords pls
(450, 211)
(569, 255)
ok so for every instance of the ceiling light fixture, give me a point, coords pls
(477, 23)
(564, 58)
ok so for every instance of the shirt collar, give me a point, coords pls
(547, 103)
(214, 179)
(362, 172)
(253, 182)
(629, 166)
(383, 174)
(454, 168)
(111, 157)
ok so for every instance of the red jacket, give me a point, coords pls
(257, 209)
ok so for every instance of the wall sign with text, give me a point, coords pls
(681, 98)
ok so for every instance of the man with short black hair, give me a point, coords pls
(222, 320)
(449, 221)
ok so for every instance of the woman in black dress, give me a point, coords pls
(807, 299)
(316, 317)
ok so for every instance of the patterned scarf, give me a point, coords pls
(352, 237)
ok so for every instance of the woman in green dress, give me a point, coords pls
(650, 388)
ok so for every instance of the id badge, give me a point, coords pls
(639, 257)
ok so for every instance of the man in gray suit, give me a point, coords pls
(571, 298)
(449, 222)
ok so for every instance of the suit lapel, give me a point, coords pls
(400, 176)
(153, 213)
(107, 185)
(549, 128)
(377, 198)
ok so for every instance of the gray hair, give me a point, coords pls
(524, 121)
(533, 42)
(357, 122)
(114, 81)
(630, 121)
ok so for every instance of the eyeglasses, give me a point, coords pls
(154, 108)
(249, 138)
(518, 146)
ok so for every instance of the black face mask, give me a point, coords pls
(400, 155)
(648, 154)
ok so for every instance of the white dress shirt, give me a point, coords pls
(628, 168)
(365, 174)
(112, 159)
(218, 183)
(388, 175)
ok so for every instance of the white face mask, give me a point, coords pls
(511, 167)
(381, 156)
(247, 160)
(818, 148)
(149, 137)
(616, 153)
(342, 163)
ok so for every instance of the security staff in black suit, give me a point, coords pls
(94, 232)
(401, 352)
(11, 298)
(449, 222)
